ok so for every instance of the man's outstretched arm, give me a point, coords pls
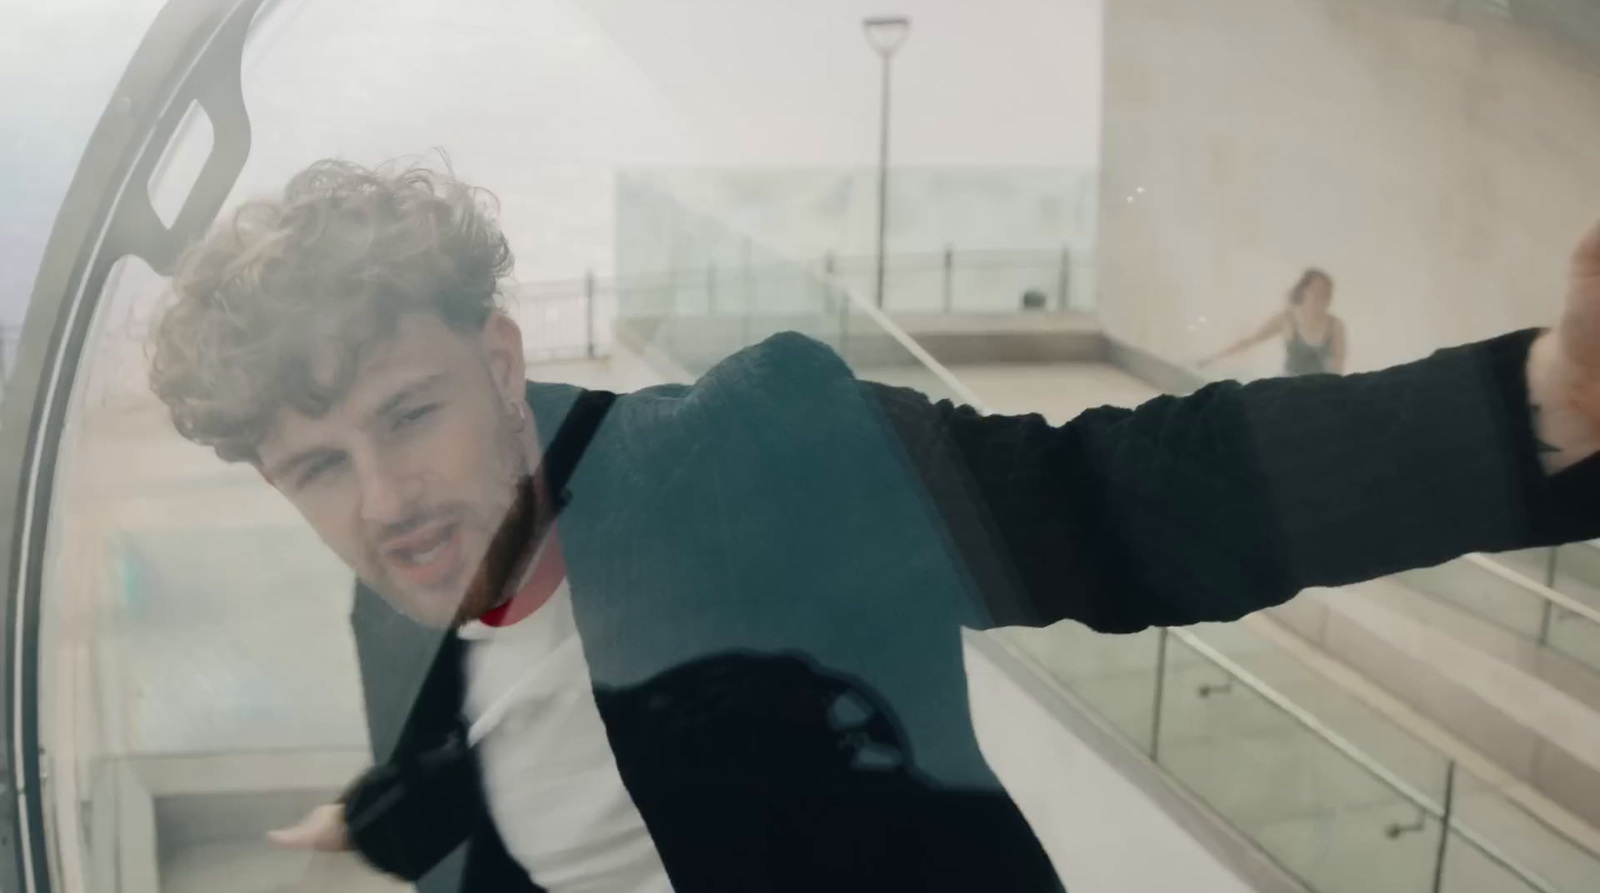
(1210, 506)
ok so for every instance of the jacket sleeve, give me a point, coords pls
(405, 815)
(423, 798)
(1234, 498)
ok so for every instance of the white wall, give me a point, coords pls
(544, 100)
(1439, 171)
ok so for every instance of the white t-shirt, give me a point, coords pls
(548, 770)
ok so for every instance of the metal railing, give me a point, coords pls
(572, 318)
(1443, 810)
(1353, 787)
(1553, 598)
(1559, 612)
(972, 280)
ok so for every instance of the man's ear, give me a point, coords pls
(502, 346)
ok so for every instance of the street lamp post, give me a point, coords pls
(886, 34)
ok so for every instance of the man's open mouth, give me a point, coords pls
(426, 557)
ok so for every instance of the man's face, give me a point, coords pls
(411, 473)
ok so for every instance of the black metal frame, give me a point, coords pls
(190, 56)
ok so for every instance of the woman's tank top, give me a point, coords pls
(1304, 358)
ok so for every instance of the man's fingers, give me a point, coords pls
(322, 829)
(298, 837)
(1586, 257)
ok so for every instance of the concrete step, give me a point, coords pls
(1480, 681)
(1514, 625)
(1577, 569)
(1297, 796)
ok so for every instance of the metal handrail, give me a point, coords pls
(1356, 755)
(1312, 723)
(1533, 587)
(944, 375)
(1317, 728)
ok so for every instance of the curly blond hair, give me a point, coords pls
(327, 270)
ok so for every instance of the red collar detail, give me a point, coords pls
(548, 571)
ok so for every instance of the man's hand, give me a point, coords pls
(1564, 366)
(322, 830)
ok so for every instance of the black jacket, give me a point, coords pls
(748, 553)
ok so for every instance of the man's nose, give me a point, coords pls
(389, 489)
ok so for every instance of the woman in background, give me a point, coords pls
(1314, 339)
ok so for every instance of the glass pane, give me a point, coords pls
(1536, 847)
(1468, 869)
(694, 291)
(564, 320)
(1114, 675)
(974, 239)
(1577, 570)
(672, 201)
(1319, 813)
(1575, 635)
(1354, 717)
(1475, 589)
(912, 283)
(1535, 564)
(1013, 281)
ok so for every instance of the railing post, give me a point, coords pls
(1444, 823)
(749, 297)
(1546, 615)
(1064, 280)
(949, 275)
(844, 322)
(1160, 693)
(588, 312)
(828, 291)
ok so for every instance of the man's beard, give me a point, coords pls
(512, 545)
(524, 525)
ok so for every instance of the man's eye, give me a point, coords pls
(317, 470)
(413, 416)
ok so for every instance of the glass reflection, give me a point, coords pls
(717, 610)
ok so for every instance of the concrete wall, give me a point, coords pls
(1439, 169)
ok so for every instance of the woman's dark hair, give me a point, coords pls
(1297, 295)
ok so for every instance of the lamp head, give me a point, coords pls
(886, 33)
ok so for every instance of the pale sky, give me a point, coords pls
(544, 100)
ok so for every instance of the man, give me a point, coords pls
(707, 637)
